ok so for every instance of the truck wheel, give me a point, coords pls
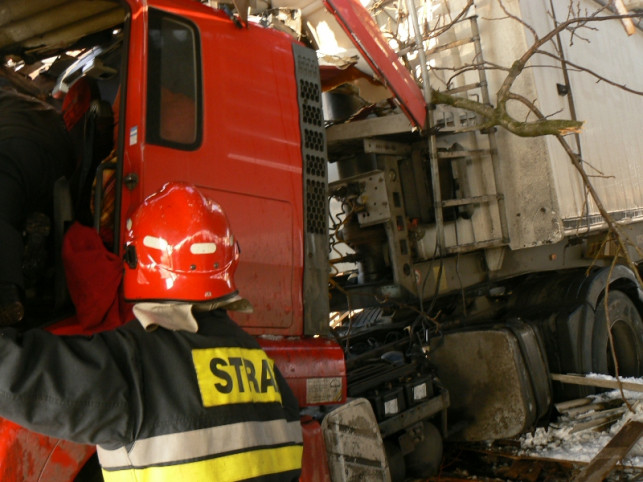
(395, 461)
(627, 331)
(425, 459)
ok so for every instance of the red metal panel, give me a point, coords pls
(315, 461)
(365, 34)
(28, 456)
(66, 460)
(313, 367)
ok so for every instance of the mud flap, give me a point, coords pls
(497, 378)
(353, 443)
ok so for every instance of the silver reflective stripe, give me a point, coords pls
(165, 449)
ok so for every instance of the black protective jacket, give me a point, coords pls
(161, 405)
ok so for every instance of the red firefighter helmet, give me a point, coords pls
(179, 247)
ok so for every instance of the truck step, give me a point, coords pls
(464, 88)
(465, 248)
(463, 153)
(437, 49)
(451, 129)
(450, 45)
(486, 198)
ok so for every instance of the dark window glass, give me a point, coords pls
(173, 107)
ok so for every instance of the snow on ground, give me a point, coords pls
(558, 442)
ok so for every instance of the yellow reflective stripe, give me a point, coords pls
(222, 469)
(235, 375)
(201, 443)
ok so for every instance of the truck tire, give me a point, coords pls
(426, 458)
(395, 461)
(627, 331)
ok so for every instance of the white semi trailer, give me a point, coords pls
(495, 233)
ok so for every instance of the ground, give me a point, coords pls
(558, 451)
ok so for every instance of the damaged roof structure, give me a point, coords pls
(40, 39)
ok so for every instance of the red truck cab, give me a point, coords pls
(234, 109)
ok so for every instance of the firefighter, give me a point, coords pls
(35, 151)
(179, 393)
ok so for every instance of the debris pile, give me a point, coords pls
(596, 438)
(585, 426)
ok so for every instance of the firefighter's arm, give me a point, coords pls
(76, 388)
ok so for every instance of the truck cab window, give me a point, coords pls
(173, 100)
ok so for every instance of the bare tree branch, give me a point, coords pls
(441, 30)
(499, 116)
(519, 20)
(599, 77)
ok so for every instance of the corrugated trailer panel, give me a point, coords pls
(611, 141)
(545, 197)
(531, 203)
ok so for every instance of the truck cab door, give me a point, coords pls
(215, 105)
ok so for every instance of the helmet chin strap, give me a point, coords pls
(233, 303)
